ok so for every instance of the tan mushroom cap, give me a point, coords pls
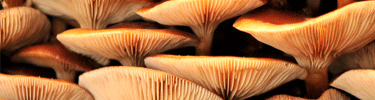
(55, 56)
(135, 83)
(363, 58)
(22, 26)
(17, 87)
(229, 77)
(359, 82)
(92, 14)
(127, 45)
(330, 94)
(202, 16)
(316, 42)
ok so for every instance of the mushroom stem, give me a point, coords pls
(64, 74)
(316, 82)
(205, 34)
(132, 61)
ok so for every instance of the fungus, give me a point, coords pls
(22, 26)
(135, 83)
(92, 14)
(330, 94)
(202, 16)
(359, 82)
(316, 42)
(18, 87)
(55, 56)
(230, 77)
(127, 45)
(15, 3)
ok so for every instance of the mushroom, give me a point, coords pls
(363, 58)
(22, 26)
(27, 70)
(330, 94)
(202, 16)
(127, 45)
(18, 87)
(342, 3)
(359, 82)
(316, 42)
(135, 83)
(92, 14)
(230, 77)
(15, 3)
(55, 56)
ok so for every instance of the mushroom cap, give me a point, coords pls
(330, 94)
(22, 26)
(135, 83)
(198, 13)
(229, 77)
(92, 14)
(363, 58)
(15, 3)
(359, 82)
(18, 87)
(128, 45)
(317, 41)
(56, 56)
(134, 25)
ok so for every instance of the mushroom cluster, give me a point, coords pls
(187, 49)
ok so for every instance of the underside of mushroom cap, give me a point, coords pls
(22, 26)
(359, 82)
(17, 87)
(315, 42)
(127, 45)
(93, 14)
(135, 83)
(229, 77)
(55, 56)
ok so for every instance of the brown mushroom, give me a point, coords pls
(316, 42)
(202, 16)
(18, 87)
(127, 45)
(92, 14)
(330, 94)
(230, 77)
(22, 26)
(359, 82)
(15, 3)
(55, 56)
(135, 83)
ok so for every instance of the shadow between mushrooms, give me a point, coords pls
(316, 42)
(202, 16)
(135, 83)
(230, 77)
(18, 87)
(127, 45)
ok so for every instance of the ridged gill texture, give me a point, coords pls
(330, 94)
(92, 14)
(135, 83)
(203, 16)
(22, 26)
(129, 46)
(17, 87)
(229, 77)
(360, 83)
(316, 42)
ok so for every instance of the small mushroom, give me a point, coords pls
(22, 26)
(359, 82)
(135, 83)
(316, 42)
(55, 56)
(127, 45)
(330, 94)
(18, 87)
(202, 16)
(92, 14)
(230, 77)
